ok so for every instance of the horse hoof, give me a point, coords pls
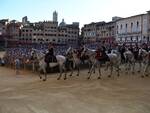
(65, 78)
(99, 78)
(40, 77)
(133, 73)
(77, 75)
(58, 78)
(88, 78)
(109, 76)
(146, 75)
(94, 72)
(142, 76)
(70, 75)
(44, 79)
(138, 71)
(88, 72)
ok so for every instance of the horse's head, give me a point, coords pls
(36, 54)
(83, 51)
(33, 54)
(142, 52)
(69, 51)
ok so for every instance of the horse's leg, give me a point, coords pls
(39, 72)
(33, 67)
(99, 70)
(71, 71)
(45, 74)
(145, 70)
(92, 68)
(60, 69)
(78, 69)
(133, 67)
(89, 67)
(71, 68)
(140, 66)
(118, 71)
(65, 71)
(126, 68)
(107, 65)
(111, 70)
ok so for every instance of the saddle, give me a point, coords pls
(103, 57)
(50, 59)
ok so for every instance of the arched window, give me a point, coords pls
(137, 24)
(121, 26)
(126, 26)
(131, 25)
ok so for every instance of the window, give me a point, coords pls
(121, 26)
(131, 25)
(131, 38)
(137, 38)
(137, 24)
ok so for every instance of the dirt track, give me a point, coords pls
(25, 93)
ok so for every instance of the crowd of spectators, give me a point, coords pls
(23, 53)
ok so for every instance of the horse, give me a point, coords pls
(129, 61)
(36, 54)
(114, 62)
(72, 54)
(145, 56)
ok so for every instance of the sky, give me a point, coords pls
(83, 11)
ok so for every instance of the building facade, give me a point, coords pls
(99, 32)
(89, 33)
(134, 29)
(49, 31)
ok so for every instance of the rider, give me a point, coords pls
(131, 48)
(104, 55)
(79, 53)
(49, 57)
(98, 53)
(122, 50)
(136, 52)
(145, 47)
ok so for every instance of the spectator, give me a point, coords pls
(17, 65)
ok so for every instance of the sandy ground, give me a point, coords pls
(26, 93)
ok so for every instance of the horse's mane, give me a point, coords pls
(68, 50)
(93, 50)
(39, 51)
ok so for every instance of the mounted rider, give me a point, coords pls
(101, 54)
(122, 50)
(50, 57)
(136, 52)
(82, 57)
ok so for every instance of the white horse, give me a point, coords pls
(145, 61)
(129, 61)
(76, 60)
(42, 64)
(114, 62)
